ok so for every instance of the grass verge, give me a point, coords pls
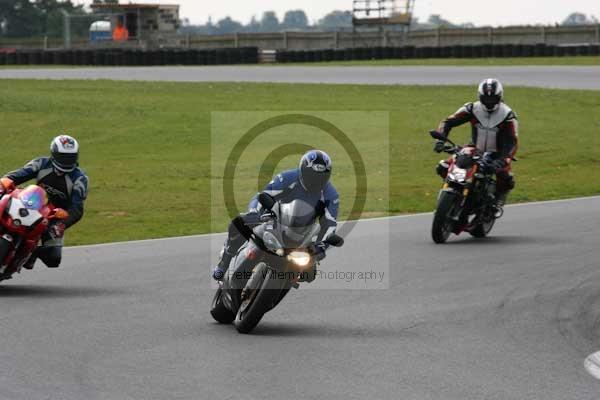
(146, 146)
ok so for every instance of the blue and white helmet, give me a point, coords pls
(315, 170)
(64, 152)
(491, 94)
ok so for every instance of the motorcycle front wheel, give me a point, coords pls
(4, 250)
(259, 299)
(442, 223)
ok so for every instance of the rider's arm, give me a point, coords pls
(510, 143)
(27, 173)
(273, 188)
(462, 116)
(329, 219)
(78, 197)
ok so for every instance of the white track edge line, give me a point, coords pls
(533, 203)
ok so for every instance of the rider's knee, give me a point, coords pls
(51, 256)
(506, 181)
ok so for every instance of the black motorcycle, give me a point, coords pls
(467, 201)
(278, 255)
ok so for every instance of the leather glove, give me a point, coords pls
(319, 252)
(440, 145)
(57, 230)
(6, 186)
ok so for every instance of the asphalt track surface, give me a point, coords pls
(508, 317)
(561, 77)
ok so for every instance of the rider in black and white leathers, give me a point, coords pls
(494, 129)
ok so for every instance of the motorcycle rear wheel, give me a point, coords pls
(483, 229)
(442, 225)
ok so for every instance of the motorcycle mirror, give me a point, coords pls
(437, 135)
(335, 240)
(265, 200)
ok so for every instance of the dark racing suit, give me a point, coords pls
(496, 132)
(65, 190)
(285, 187)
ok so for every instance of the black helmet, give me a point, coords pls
(315, 170)
(65, 153)
(491, 94)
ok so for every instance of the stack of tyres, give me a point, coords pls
(221, 56)
(398, 52)
(457, 51)
(127, 58)
(539, 50)
(388, 53)
(528, 50)
(487, 50)
(11, 58)
(361, 53)
(424, 52)
(22, 58)
(299, 56)
(377, 53)
(233, 56)
(211, 57)
(468, 52)
(327, 55)
(583, 50)
(310, 56)
(2, 58)
(348, 54)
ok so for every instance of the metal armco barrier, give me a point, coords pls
(131, 57)
(456, 51)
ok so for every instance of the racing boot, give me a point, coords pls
(499, 204)
(225, 259)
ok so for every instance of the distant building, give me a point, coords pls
(148, 23)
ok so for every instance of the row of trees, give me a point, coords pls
(26, 18)
(269, 22)
(297, 20)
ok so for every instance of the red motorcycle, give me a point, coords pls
(467, 200)
(24, 217)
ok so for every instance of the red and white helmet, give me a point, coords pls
(491, 94)
(65, 153)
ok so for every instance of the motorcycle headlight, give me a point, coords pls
(458, 174)
(300, 258)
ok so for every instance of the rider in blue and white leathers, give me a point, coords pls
(309, 182)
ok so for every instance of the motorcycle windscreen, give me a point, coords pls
(297, 223)
(33, 198)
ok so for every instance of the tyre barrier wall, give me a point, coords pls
(116, 57)
(408, 52)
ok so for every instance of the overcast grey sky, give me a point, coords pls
(480, 12)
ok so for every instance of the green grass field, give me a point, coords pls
(147, 146)
(519, 61)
